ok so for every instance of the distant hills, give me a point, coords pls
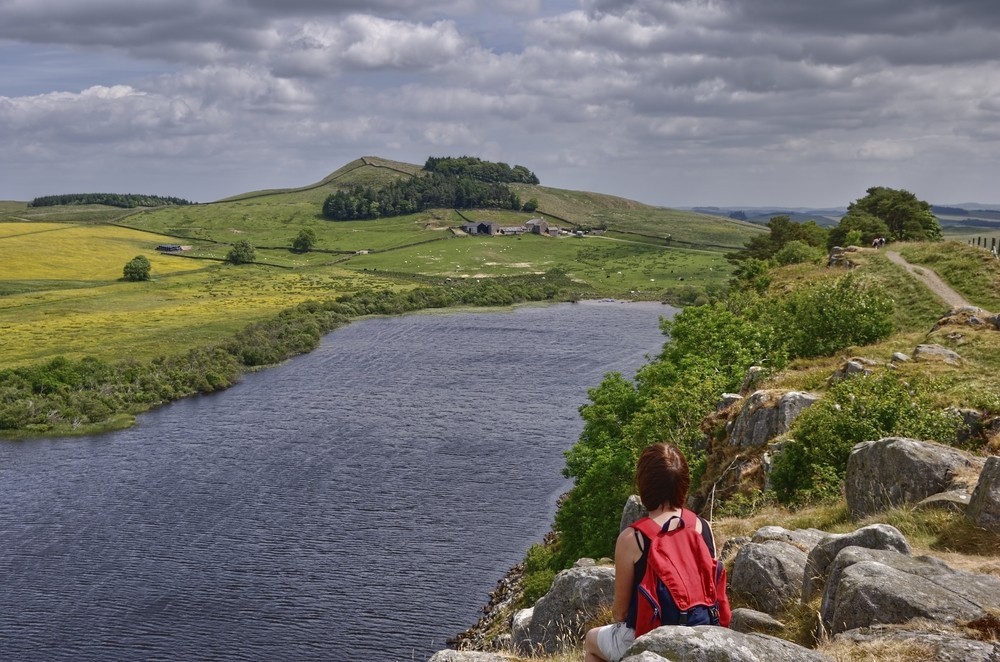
(974, 215)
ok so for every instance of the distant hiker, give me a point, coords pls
(696, 596)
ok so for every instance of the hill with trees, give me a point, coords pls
(124, 200)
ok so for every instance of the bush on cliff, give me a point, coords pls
(812, 465)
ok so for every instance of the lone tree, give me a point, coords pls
(137, 268)
(242, 252)
(305, 241)
(895, 213)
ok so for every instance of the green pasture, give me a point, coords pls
(582, 208)
(61, 293)
(611, 267)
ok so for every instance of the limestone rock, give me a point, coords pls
(468, 656)
(705, 642)
(731, 547)
(804, 539)
(935, 352)
(868, 588)
(558, 618)
(632, 512)
(895, 470)
(954, 500)
(899, 357)
(768, 574)
(754, 375)
(847, 557)
(984, 507)
(943, 646)
(765, 416)
(852, 368)
(874, 536)
(750, 620)
(728, 400)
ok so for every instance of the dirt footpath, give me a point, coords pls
(931, 280)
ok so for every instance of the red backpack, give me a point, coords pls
(683, 584)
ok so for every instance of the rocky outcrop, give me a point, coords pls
(804, 539)
(897, 588)
(875, 536)
(753, 377)
(632, 512)
(840, 256)
(557, 619)
(768, 575)
(895, 470)
(705, 642)
(933, 352)
(750, 620)
(766, 415)
(468, 656)
(852, 368)
(957, 501)
(984, 506)
(941, 646)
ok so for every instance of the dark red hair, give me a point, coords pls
(662, 477)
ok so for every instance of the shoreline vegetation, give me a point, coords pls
(75, 397)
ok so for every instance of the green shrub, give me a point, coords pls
(242, 252)
(137, 269)
(812, 465)
(539, 571)
(797, 251)
(832, 315)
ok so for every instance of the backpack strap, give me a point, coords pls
(647, 527)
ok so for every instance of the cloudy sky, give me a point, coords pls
(670, 102)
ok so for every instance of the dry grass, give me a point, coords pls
(879, 651)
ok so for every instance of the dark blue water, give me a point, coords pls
(359, 502)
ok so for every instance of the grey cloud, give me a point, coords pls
(902, 17)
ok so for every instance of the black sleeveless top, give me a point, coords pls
(640, 568)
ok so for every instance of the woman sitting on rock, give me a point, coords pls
(662, 479)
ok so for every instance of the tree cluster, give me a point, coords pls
(417, 194)
(783, 232)
(124, 200)
(483, 171)
(895, 214)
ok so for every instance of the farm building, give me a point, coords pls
(481, 227)
(537, 226)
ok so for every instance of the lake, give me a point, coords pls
(357, 502)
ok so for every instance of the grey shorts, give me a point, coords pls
(614, 640)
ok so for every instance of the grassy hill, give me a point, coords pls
(61, 293)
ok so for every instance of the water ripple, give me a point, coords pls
(356, 503)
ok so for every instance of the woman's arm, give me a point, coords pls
(627, 552)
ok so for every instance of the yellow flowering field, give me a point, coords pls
(165, 316)
(64, 251)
